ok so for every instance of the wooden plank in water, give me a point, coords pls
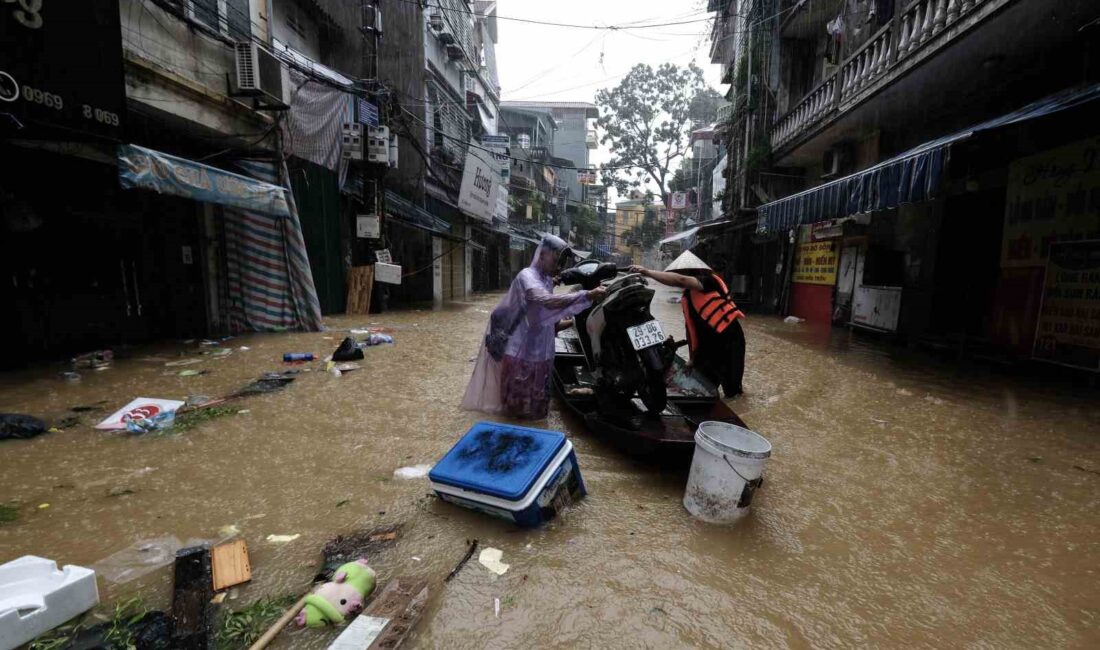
(192, 610)
(360, 285)
(230, 564)
(402, 601)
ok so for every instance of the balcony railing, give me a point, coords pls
(918, 23)
(725, 113)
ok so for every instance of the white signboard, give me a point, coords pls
(367, 226)
(383, 255)
(679, 200)
(142, 408)
(478, 195)
(499, 144)
(502, 203)
(387, 273)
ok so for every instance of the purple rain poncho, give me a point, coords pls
(521, 332)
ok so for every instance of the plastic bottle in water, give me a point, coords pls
(290, 357)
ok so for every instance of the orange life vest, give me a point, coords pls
(714, 307)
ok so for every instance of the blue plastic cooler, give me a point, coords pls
(521, 474)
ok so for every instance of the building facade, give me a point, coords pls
(881, 166)
(439, 62)
(575, 138)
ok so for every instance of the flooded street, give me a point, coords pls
(907, 502)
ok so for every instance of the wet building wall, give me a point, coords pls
(94, 265)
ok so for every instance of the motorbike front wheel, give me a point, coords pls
(653, 391)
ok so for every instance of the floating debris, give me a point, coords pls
(490, 559)
(412, 472)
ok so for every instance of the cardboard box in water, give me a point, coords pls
(523, 475)
(388, 273)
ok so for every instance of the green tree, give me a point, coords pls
(646, 234)
(586, 225)
(703, 109)
(646, 120)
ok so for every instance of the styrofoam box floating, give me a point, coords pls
(36, 596)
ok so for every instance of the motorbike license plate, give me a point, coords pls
(645, 335)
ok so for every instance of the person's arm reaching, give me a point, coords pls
(551, 307)
(670, 279)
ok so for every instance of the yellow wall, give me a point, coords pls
(626, 218)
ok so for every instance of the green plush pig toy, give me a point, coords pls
(345, 594)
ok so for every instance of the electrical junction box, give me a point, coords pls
(352, 141)
(378, 145)
(367, 226)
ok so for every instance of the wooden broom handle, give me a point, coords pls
(278, 626)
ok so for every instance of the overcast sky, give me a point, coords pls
(541, 62)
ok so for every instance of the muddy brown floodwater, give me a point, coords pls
(907, 502)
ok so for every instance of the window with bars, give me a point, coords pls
(450, 123)
(232, 18)
(458, 17)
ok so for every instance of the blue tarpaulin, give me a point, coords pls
(143, 168)
(910, 177)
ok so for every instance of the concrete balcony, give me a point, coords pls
(591, 140)
(725, 114)
(930, 61)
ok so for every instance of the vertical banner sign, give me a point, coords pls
(1069, 320)
(61, 69)
(499, 144)
(815, 263)
(478, 193)
(1052, 196)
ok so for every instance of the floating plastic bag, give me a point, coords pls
(141, 558)
(158, 422)
(377, 339)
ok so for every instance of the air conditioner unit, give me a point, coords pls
(454, 51)
(259, 72)
(435, 21)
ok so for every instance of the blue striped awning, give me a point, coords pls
(405, 210)
(910, 177)
(163, 173)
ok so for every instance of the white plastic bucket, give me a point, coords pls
(725, 471)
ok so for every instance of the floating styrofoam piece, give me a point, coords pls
(141, 408)
(36, 596)
(490, 559)
(413, 471)
(360, 633)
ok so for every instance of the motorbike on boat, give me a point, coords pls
(622, 342)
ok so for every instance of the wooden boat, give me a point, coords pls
(669, 438)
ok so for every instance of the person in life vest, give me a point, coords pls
(712, 320)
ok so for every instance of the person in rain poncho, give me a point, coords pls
(512, 373)
(715, 338)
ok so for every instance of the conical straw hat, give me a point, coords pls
(687, 261)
